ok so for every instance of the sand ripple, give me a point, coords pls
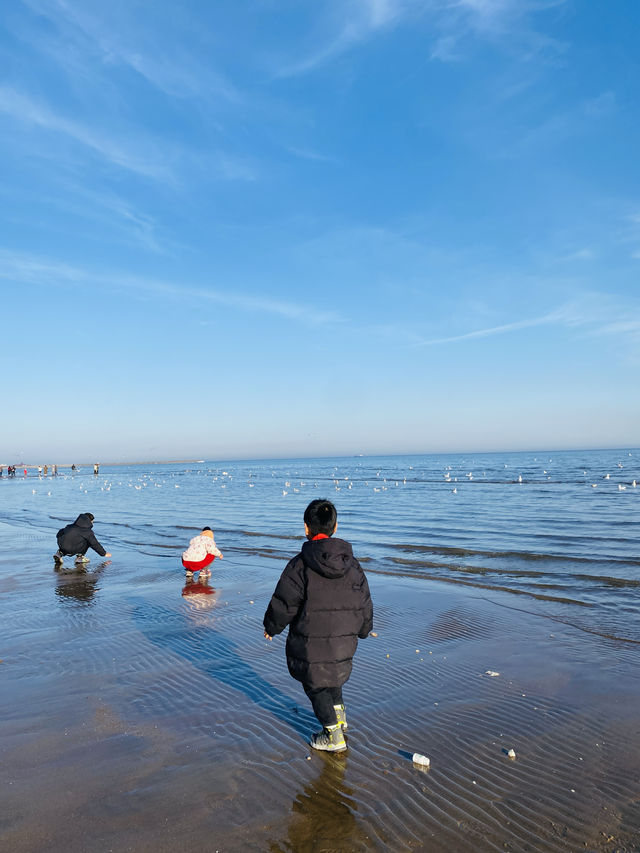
(148, 714)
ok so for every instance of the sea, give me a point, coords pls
(553, 533)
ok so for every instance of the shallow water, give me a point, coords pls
(550, 528)
(145, 713)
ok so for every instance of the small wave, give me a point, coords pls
(461, 582)
(515, 555)
(480, 570)
(268, 535)
(270, 553)
(607, 580)
(229, 531)
(606, 635)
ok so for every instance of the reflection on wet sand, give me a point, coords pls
(199, 592)
(323, 813)
(78, 583)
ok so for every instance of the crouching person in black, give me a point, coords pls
(323, 596)
(76, 539)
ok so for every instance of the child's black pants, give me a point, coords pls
(322, 700)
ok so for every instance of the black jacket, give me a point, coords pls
(77, 537)
(323, 596)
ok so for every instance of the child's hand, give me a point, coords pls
(220, 557)
(267, 637)
(107, 554)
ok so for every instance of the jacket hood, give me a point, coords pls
(84, 520)
(331, 558)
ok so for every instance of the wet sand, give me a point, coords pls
(138, 718)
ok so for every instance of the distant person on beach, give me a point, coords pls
(201, 552)
(73, 467)
(96, 468)
(323, 596)
(76, 539)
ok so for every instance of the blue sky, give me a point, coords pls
(277, 228)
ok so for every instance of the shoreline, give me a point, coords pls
(80, 465)
(143, 717)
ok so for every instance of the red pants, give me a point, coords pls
(190, 566)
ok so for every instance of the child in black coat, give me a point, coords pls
(76, 539)
(323, 596)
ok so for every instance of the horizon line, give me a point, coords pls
(625, 449)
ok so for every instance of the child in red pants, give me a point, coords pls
(201, 552)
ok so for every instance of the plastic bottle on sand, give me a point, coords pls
(422, 760)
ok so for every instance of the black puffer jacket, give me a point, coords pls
(323, 595)
(76, 538)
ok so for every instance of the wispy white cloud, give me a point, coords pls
(355, 21)
(180, 80)
(622, 327)
(557, 127)
(136, 153)
(77, 211)
(486, 15)
(585, 254)
(601, 106)
(117, 35)
(457, 23)
(446, 49)
(450, 25)
(25, 269)
(230, 167)
(111, 211)
(22, 108)
(309, 154)
(595, 313)
(140, 225)
(496, 16)
(544, 320)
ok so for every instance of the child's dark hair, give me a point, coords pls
(206, 528)
(321, 517)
